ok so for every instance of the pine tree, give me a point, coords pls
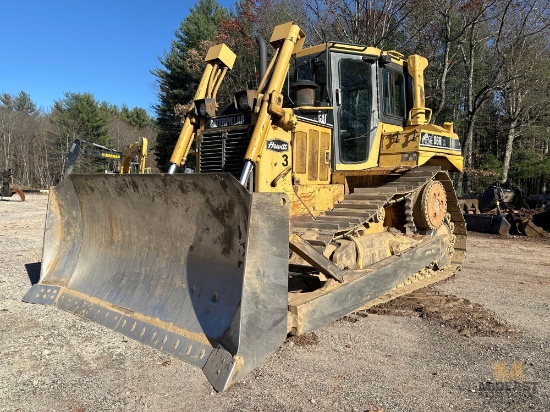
(136, 117)
(79, 115)
(176, 82)
(18, 103)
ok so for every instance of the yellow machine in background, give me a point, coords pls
(305, 207)
(132, 159)
(135, 150)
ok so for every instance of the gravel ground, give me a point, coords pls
(52, 360)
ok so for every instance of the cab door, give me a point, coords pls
(355, 112)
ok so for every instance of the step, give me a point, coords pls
(414, 179)
(380, 190)
(339, 220)
(356, 204)
(371, 198)
(423, 171)
(314, 224)
(403, 187)
(349, 212)
(425, 168)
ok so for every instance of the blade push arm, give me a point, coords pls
(287, 39)
(219, 60)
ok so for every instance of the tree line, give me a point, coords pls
(34, 144)
(489, 70)
(489, 73)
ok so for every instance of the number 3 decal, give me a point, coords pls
(285, 160)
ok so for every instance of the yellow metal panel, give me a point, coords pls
(222, 53)
(273, 171)
(336, 47)
(453, 163)
(374, 154)
(403, 141)
(299, 44)
(282, 31)
(310, 145)
(395, 54)
(311, 50)
(300, 152)
(314, 199)
(398, 145)
(458, 162)
(324, 157)
(313, 155)
(347, 48)
(395, 160)
(298, 207)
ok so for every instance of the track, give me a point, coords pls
(366, 205)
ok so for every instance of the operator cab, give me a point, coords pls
(351, 89)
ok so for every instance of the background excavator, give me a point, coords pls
(124, 160)
(304, 207)
(137, 151)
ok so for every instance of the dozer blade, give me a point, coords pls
(193, 265)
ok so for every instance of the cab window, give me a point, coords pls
(313, 69)
(393, 92)
(355, 111)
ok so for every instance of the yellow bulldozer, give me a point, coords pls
(304, 207)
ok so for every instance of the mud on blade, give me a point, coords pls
(193, 265)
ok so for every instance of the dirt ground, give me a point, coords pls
(433, 350)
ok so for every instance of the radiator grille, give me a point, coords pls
(223, 150)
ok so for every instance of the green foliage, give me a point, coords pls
(544, 167)
(201, 24)
(176, 83)
(34, 144)
(21, 103)
(136, 117)
(111, 110)
(79, 115)
(525, 164)
(491, 162)
(528, 164)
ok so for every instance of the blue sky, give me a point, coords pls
(106, 48)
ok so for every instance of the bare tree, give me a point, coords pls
(481, 75)
(450, 21)
(370, 22)
(522, 39)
